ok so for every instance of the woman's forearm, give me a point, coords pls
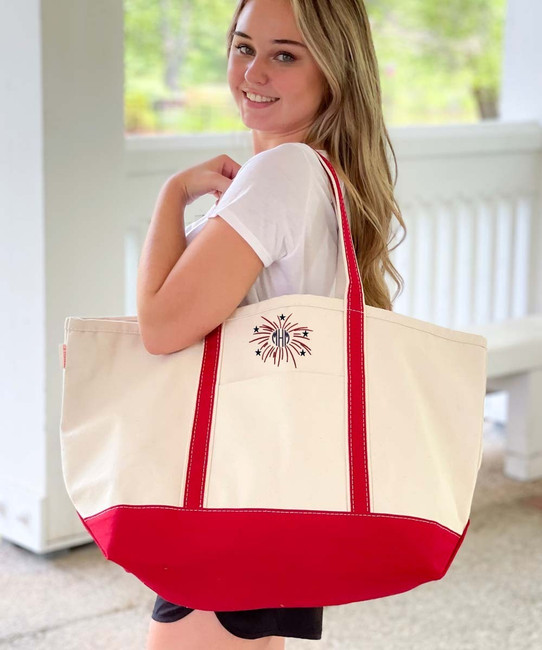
(164, 244)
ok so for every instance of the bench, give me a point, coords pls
(514, 365)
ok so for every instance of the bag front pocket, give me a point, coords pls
(279, 441)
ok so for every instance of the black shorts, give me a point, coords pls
(298, 622)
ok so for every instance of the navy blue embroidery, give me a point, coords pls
(281, 340)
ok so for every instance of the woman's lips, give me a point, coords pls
(258, 104)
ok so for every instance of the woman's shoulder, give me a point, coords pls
(289, 165)
(294, 155)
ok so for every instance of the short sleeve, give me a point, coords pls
(268, 199)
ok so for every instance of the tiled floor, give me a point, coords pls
(490, 599)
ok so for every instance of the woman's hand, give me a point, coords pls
(211, 177)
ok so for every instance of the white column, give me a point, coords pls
(521, 93)
(521, 100)
(61, 237)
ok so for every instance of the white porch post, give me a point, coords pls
(62, 234)
(521, 100)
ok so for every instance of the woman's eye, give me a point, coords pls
(238, 47)
(292, 58)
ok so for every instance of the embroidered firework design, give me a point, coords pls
(281, 340)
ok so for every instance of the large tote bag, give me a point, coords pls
(310, 451)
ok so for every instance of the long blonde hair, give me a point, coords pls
(350, 127)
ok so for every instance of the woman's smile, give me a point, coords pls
(253, 104)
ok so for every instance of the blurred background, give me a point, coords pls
(175, 63)
(100, 102)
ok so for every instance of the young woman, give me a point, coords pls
(304, 75)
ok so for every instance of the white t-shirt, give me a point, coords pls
(281, 203)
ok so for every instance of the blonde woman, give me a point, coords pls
(304, 75)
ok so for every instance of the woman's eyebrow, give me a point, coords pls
(277, 40)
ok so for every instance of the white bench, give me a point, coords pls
(514, 365)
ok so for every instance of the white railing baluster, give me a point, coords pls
(433, 257)
(422, 261)
(411, 261)
(523, 214)
(534, 303)
(515, 280)
(502, 271)
(453, 292)
(491, 208)
(470, 224)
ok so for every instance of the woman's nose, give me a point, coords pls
(256, 73)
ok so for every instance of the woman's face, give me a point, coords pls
(280, 70)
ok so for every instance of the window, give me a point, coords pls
(440, 62)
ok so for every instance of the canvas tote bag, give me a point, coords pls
(310, 451)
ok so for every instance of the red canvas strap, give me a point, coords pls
(355, 381)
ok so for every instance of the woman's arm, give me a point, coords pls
(164, 245)
(165, 241)
(184, 293)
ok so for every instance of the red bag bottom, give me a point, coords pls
(272, 558)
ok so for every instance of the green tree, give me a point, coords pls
(460, 38)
